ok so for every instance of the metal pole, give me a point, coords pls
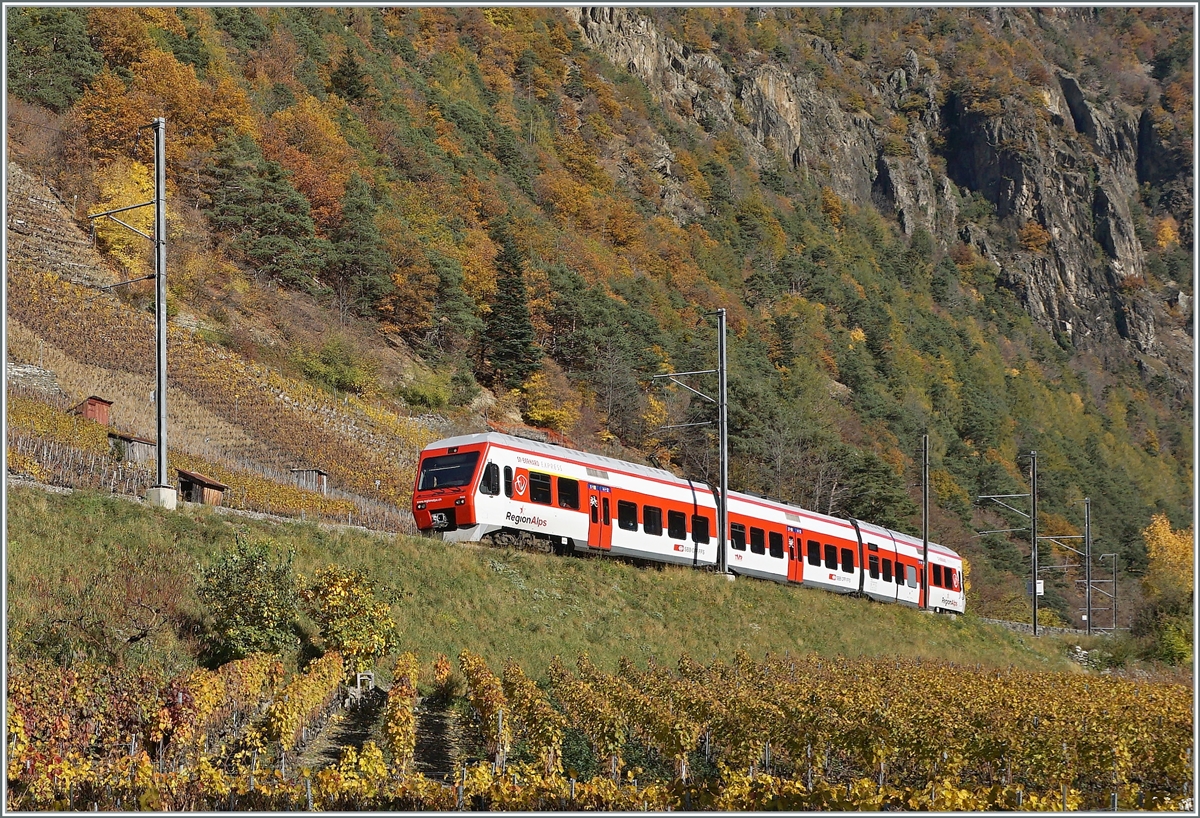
(925, 522)
(1114, 556)
(160, 269)
(1034, 535)
(1087, 558)
(723, 435)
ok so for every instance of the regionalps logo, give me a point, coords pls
(521, 519)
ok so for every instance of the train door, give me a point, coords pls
(599, 516)
(795, 555)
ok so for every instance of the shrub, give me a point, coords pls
(425, 394)
(251, 599)
(352, 620)
(1034, 237)
(338, 367)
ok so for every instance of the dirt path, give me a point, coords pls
(346, 728)
(439, 740)
(440, 749)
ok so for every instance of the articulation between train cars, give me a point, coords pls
(508, 490)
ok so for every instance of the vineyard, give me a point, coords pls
(274, 423)
(800, 733)
(54, 446)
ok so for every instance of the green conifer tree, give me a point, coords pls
(510, 354)
(455, 323)
(50, 59)
(358, 263)
(346, 80)
(253, 202)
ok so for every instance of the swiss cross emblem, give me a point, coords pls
(521, 483)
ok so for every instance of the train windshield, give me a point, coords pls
(447, 471)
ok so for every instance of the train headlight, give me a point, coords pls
(420, 506)
(460, 501)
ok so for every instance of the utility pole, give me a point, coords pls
(160, 311)
(1032, 517)
(1087, 559)
(1033, 537)
(722, 435)
(925, 522)
(1113, 595)
(162, 493)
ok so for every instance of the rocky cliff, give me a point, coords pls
(1068, 177)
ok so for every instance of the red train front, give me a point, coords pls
(446, 480)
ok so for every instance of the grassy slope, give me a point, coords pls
(498, 603)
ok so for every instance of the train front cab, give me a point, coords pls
(443, 498)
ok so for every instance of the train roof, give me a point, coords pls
(799, 512)
(597, 461)
(935, 548)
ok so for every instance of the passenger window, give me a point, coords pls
(699, 528)
(900, 572)
(814, 552)
(490, 484)
(830, 556)
(776, 544)
(887, 570)
(676, 525)
(627, 515)
(652, 520)
(847, 560)
(912, 575)
(568, 493)
(539, 488)
(508, 481)
(950, 579)
(737, 536)
(757, 541)
(937, 576)
(873, 566)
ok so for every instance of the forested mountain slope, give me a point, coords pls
(975, 224)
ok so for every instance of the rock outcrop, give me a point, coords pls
(1072, 174)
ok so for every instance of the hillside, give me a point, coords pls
(688, 690)
(448, 597)
(391, 226)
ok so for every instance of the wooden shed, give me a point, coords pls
(94, 408)
(131, 448)
(312, 479)
(196, 488)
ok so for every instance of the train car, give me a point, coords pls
(762, 538)
(946, 592)
(885, 575)
(507, 489)
(498, 488)
(777, 541)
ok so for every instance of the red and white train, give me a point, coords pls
(499, 488)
